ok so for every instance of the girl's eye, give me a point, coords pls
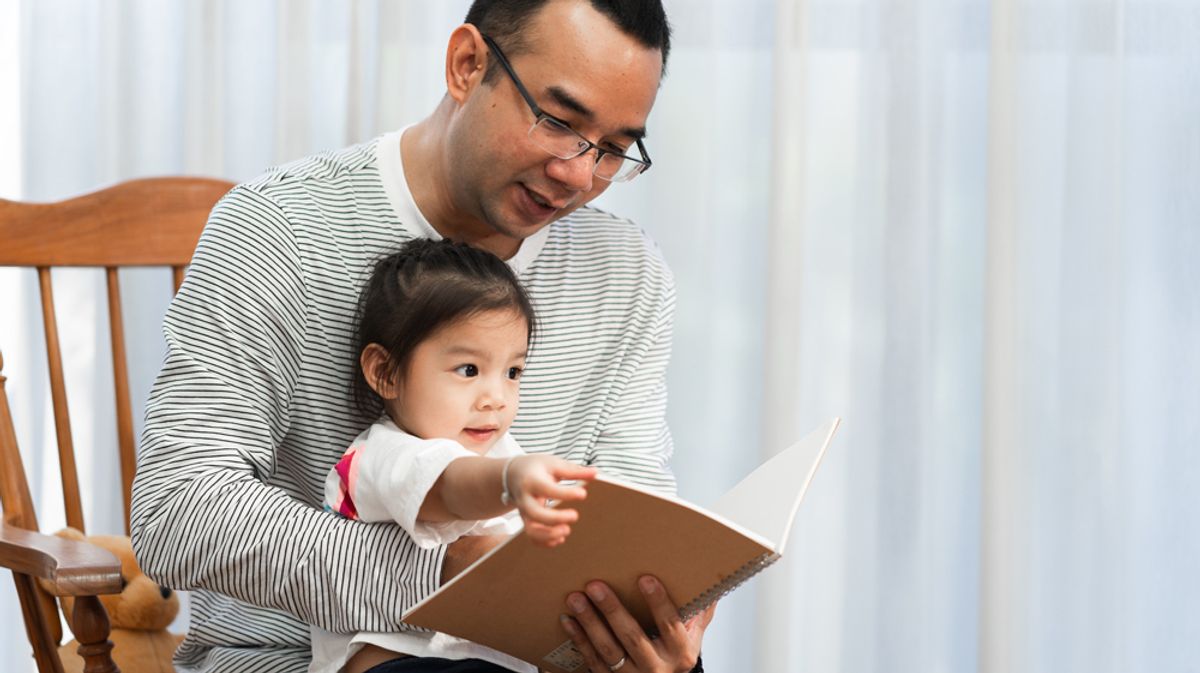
(514, 373)
(467, 370)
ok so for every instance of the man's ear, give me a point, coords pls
(375, 367)
(466, 58)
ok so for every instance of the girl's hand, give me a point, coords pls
(532, 480)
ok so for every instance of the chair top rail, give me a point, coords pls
(146, 222)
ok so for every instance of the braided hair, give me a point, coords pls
(421, 288)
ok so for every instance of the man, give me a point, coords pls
(252, 406)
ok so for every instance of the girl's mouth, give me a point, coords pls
(480, 434)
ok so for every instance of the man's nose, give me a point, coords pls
(575, 173)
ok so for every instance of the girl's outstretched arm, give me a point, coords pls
(472, 488)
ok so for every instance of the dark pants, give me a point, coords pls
(435, 665)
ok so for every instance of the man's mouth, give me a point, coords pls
(537, 198)
(539, 206)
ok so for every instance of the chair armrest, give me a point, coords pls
(69, 567)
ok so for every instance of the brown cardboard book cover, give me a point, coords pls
(511, 599)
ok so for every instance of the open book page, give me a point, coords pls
(765, 502)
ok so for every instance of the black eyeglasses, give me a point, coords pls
(557, 137)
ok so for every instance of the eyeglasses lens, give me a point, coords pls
(564, 143)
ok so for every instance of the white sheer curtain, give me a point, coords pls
(969, 228)
(985, 234)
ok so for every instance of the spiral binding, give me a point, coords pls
(722, 588)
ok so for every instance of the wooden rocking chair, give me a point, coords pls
(150, 222)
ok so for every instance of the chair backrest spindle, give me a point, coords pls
(58, 397)
(121, 390)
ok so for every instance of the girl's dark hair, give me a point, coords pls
(421, 288)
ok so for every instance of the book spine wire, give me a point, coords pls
(725, 586)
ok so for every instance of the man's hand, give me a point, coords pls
(534, 479)
(466, 550)
(610, 638)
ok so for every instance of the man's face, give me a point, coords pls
(579, 68)
(463, 382)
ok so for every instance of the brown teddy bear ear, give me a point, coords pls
(71, 533)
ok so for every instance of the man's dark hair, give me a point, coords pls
(423, 287)
(505, 20)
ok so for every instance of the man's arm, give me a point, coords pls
(634, 442)
(203, 515)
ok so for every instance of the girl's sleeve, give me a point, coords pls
(385, 476)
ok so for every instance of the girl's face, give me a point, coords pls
(463, 382)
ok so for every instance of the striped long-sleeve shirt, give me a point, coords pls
(252, 405)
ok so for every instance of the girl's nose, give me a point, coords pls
(491, 397)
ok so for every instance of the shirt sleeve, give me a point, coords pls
(501, 525)
(385, 476)
(204, 513)
(634, 442)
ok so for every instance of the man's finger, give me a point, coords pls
(703, 619)
(666, 616)
(596, 629)
(632, 638)
(591, 657)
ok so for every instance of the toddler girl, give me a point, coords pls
(444, 331)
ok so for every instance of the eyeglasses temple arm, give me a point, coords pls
(495, 48)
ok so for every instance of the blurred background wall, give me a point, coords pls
(970, 228)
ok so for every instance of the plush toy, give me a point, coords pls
(139, 615)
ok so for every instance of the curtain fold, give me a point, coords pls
(1003, 567)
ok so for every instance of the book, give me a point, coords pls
(511, 598)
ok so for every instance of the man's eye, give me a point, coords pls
(467, 370)
(514, 373)
(559, 129)
(557, 126)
